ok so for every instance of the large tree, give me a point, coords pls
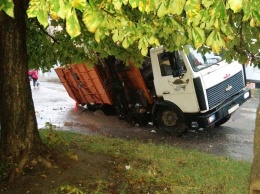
(19, 134)
(122, 28)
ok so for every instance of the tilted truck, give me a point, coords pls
(173, 90)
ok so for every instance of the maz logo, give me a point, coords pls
(228, 88)
(227, 76)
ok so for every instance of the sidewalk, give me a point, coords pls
(48, 79)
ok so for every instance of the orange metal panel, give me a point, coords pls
(61, 74)
(83, 84)
(137, 81)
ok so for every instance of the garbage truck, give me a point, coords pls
(174, 91)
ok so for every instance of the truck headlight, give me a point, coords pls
(211, 119)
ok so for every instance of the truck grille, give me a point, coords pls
(219, 93)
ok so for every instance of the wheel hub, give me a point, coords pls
(169, 118)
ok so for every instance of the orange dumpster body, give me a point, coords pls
(95, 86)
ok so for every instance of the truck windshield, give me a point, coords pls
(201, 61)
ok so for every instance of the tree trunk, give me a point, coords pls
(19, 133)
(255, 172)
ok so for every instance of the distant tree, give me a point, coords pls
(78, 29)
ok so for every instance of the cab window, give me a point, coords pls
(165, 65)
(171, 61)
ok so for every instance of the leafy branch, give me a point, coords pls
(175, 23)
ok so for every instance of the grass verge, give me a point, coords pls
(152, 168)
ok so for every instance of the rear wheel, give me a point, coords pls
(171, 119)
(222, 121)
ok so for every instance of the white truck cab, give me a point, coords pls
(203, 89)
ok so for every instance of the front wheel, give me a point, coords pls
(171, 119)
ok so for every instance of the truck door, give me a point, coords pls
(173, 80)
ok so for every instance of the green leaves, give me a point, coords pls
(218, 10)
(207, 3)
(251, 13)
(79, 4)
(117, 35)
(176, 7)
(142, 45)
(42, 17)
(235, 5)
(72, 24)
(117, 4)
(8, 7)
(198, 36)
(57, 9)
(168, 7)
(92, 18)
(40, 10)
(116, 27)
(215, 41)
(134, 3)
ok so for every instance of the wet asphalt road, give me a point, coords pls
(234, 139)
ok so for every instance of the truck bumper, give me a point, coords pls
(224, 110)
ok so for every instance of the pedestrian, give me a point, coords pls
(35, 78)
(30, 75)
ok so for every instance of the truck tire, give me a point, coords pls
(171, 120)
(222, 121)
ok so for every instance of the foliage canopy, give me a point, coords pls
(128, 28)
